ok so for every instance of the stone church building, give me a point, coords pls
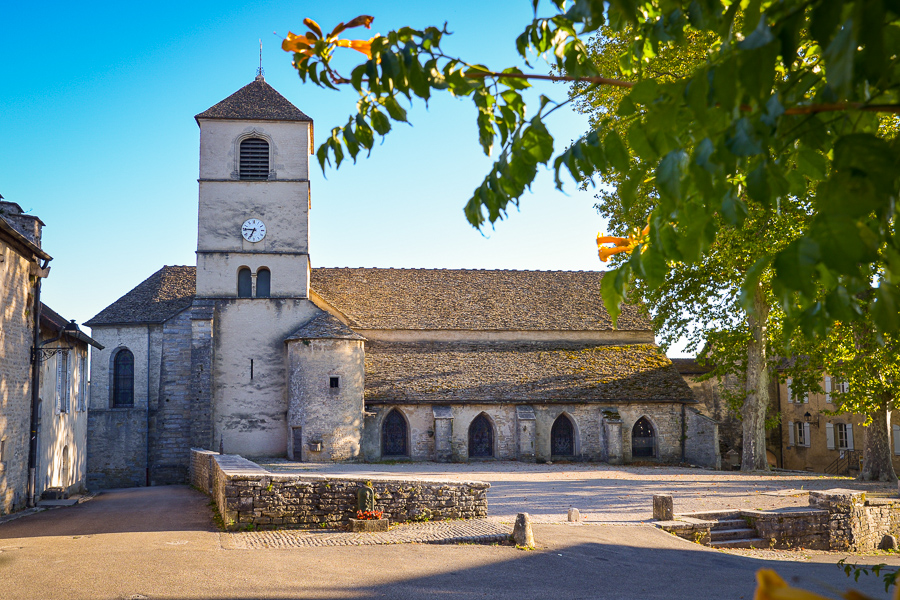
(254, 352)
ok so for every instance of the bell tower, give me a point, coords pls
(253, 233)
(252, 288)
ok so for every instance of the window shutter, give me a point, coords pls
(829, 435)
(790, 433)
(67, 381)
(849, 436)
(789, 390)
(59, 372)
(895, 430)
(806, 434)
(805, 397)
(828, 389)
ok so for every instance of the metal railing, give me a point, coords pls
(842, 464)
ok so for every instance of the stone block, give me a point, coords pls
(574, 515)
(369, 525)
(522, 534)
(663, 507)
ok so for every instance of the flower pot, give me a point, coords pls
(370, 525)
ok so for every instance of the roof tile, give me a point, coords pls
(256, 101)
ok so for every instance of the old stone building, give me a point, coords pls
(256, 353)
(43, 373)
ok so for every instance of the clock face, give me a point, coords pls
(253, 230)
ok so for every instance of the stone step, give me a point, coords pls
(721, 535)
(743, 543)
(711, 515)
(729, 524)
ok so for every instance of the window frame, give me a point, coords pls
(115, 378)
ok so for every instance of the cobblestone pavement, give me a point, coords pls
(604, 493)
(477, 531)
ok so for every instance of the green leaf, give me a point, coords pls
(669, 173)
(758, 184)
(742, 140)
(885, 311)
(734, 209)
(616, 152)
(760, 37)
(397, 112)
(824, 19)
(838, 60)
(515, 83)
(653, 266)
(612, 290)
(637, 139)
(644, 92)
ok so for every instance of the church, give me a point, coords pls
(255, 352)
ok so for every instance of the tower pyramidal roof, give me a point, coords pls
(257, 101)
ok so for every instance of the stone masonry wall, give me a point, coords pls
(855, 523)
(16, 323)
(170, 436)
(246, 494)
(200, 471)
(701, 443)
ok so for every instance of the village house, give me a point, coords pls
(255, 352)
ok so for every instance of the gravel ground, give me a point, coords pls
(603, 493)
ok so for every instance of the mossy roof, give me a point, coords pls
(501, 372)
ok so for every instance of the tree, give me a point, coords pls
(870, 369)
(785, 105)
(782, 111)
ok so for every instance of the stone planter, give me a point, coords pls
(370, 525)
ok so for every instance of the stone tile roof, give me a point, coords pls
(690, 366)
(52, 323)
(471, 299)
(324, 326)
(156, 299)
(520, 372)
(256, 101)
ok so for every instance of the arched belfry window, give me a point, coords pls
(245, 283)
(263, 283)
(254, 161)
(394, 435)
(643, 439)
(562, 437)
(123, 378)
(481, 438)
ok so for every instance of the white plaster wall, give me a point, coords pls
(114, 337)
(289, 140)
(217, 273)
(250, 415)
(282, 206)
(333, 416)
(64, 429)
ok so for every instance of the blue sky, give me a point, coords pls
(97, 112)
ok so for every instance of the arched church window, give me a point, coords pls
(643, 439)
(481, 438)
(254, 161)
(394, 435)
(263, 283)
(245, 283)
(123, 378)
(562, 437)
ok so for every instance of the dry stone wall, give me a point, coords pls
(248, 495)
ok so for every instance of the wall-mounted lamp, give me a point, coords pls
(809, 420)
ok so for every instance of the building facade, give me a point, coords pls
(254, 352)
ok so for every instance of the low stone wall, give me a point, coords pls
(200, 471)
(836, 519)
(248, 495)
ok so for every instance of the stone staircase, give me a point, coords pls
(721, 529)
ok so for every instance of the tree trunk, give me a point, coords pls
(753, 413)
(877, 457)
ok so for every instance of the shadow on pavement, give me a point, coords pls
(131, 510)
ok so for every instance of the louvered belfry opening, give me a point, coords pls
(254, 159)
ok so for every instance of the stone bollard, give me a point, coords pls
(522, 534)
(663, 507)
(574, 516)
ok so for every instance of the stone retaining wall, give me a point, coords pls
(248, 495)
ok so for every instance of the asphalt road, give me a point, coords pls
(161, 543)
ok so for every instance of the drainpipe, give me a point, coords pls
(35, 386)
(148, 405)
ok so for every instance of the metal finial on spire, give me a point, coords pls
(260, 72)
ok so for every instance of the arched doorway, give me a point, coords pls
(481, 438)
(562, 438)
(394, 435)
(643, 439)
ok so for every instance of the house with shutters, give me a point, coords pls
(256, 352)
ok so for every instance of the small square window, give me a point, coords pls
(334, 382)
